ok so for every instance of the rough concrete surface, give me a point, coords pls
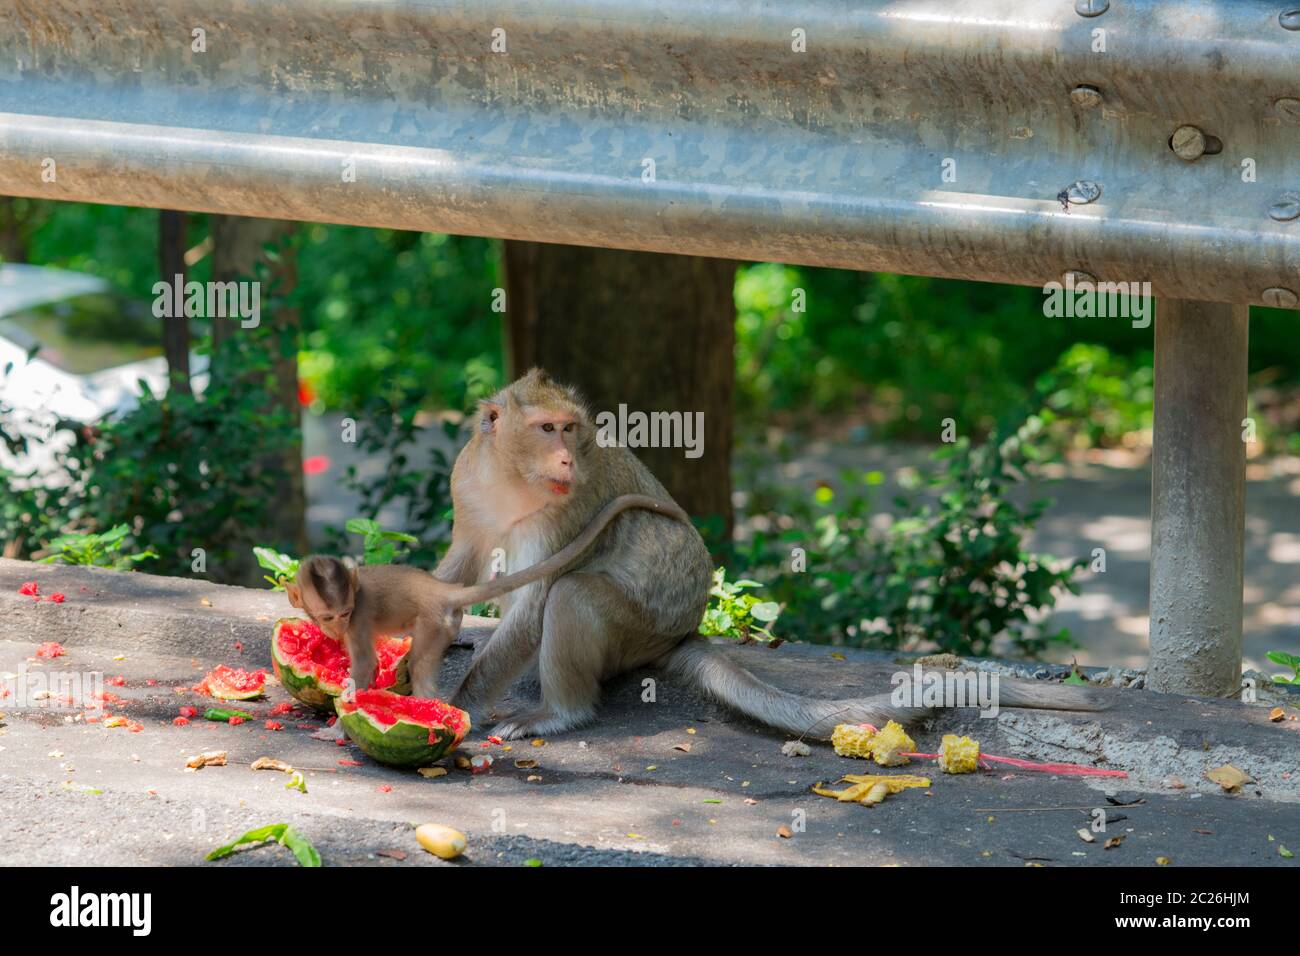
(619, 792)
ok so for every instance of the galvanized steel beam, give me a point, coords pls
(920, 136)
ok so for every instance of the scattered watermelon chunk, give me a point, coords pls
(50, 650)
(232, 683)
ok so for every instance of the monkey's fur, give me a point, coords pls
(353, 604)
(531, 476)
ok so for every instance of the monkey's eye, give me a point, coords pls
(548, 427)
(570, 427)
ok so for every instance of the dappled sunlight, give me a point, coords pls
(1129, 535)
(1284, 547)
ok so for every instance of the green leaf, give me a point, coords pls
(303, 851)
(273, 831)
(1283, 658)
(767, 611)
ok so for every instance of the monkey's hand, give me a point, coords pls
(364, 664)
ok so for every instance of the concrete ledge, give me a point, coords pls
(1150, 735)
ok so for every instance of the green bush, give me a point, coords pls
(184, 472)
(950, 574)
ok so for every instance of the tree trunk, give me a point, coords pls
(238, 250)
(651, 332)
(171, 268)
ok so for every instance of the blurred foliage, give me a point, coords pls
(96, 550)
(186, 472)
(1095, 399)
(901, 353)
(950, 573)
(733, 613)
(405, 313)
(380, 546)
(397, 325)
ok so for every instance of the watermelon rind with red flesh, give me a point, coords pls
(402, 731)
(230, 683)
(314, 666)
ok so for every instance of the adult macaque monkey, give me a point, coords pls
(531, 476)
(355, 605)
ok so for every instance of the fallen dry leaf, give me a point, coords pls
(211, 758)
(393, 854)
(684, 748)
(1228, 777)
(1276, 714)
(784, 832)
(1113, 842)
(269, 763)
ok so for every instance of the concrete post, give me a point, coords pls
(1198, 498)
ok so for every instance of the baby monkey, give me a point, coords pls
(355, 604)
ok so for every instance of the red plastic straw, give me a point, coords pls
(1065, 769)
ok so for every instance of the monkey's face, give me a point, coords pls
(328, 600)
(333, 620)
(542, 443)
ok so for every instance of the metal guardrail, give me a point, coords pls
(920, 136)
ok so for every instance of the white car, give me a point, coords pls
(72, 349)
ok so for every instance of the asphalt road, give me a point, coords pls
(673, 782)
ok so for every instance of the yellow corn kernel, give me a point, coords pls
(853, 740)
(889, 745)
(958, 754)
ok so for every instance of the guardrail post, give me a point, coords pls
(1198, 497)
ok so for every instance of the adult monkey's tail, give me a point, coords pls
(712, 672)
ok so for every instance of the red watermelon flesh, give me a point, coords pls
(311, 650)
(388, 709)
(232, 683)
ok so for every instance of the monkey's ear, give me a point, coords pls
(489, 412)
(295, 594)
(351, 567)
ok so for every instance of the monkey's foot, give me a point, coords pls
(536, 721)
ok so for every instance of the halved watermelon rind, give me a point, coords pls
(230, 683)
(305, 681)
(406, 742)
